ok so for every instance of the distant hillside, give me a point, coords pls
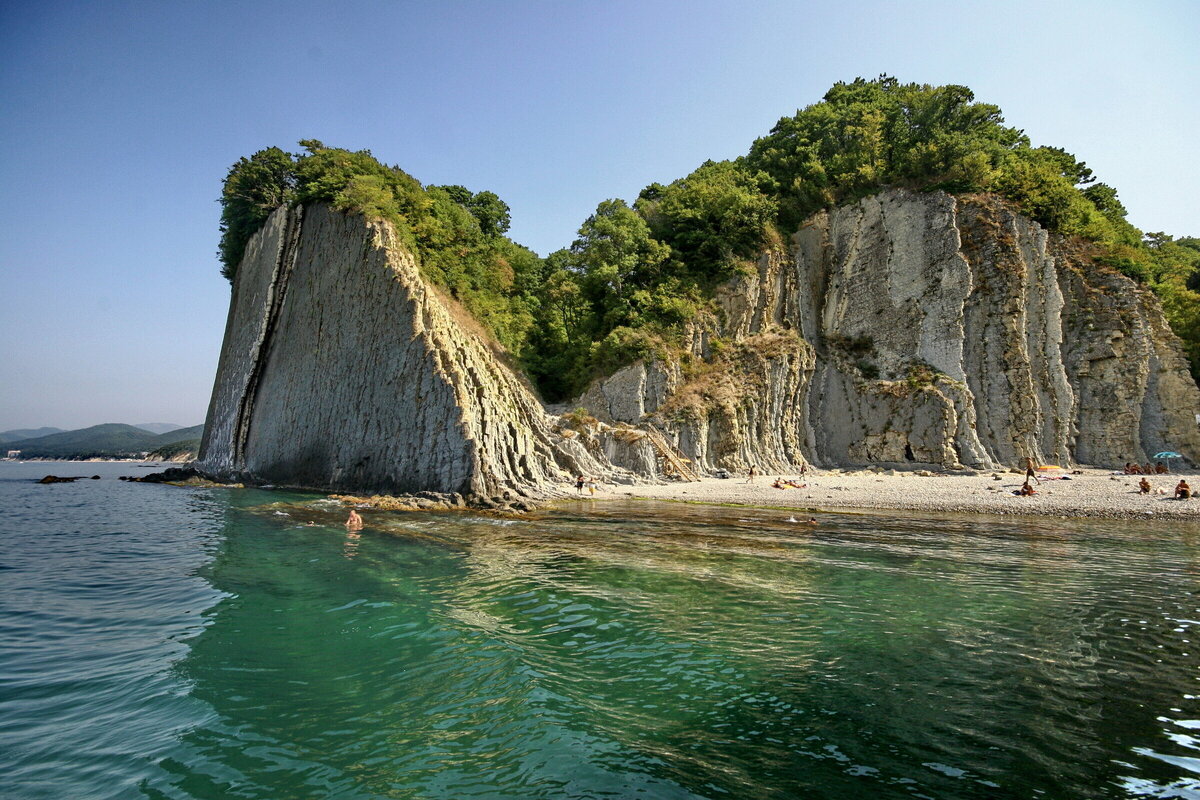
(26, 433)
(111, 440)
(184, 450)
(157, 427)
(181, 435)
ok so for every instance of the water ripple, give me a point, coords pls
(187, 644)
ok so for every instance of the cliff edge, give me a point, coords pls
(920, 328)
(342, 369)
(903, 328)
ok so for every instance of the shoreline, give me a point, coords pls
(1095, 493)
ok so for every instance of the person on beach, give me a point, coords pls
(579, 482)
(354, 522)
(1182, 490)
(1160, 468)
(1026, 490)
(1144, 486)
(753, 472)
(1030, 472)
(593, 484)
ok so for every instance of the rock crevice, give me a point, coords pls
(927, 328)
(343, 370)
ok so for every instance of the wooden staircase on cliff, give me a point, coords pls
(670, 459)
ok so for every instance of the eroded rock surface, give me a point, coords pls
(341, 369)
(921, 328)
(905, 328)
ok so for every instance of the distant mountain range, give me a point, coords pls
(110, 440)
(26, 433)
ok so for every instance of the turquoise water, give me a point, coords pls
(177, 643)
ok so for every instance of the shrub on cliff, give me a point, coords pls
(254, 187)
(869, 134)
(712, 219)
(635, 276)
(456, 235)
(866, 135)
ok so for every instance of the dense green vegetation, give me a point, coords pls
(457, 235)
(866, 135)
(185, 447)
(634, 278)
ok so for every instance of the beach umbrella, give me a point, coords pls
(1167, 454)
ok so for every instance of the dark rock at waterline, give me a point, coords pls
(170, 475)
(57, 479)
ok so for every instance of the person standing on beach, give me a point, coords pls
(753, 472)
(579, 481)
(1030, 472)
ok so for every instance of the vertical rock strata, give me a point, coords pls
(906, 327)
(341, 369)
(921, 328)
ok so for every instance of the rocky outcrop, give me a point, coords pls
(906, 327)
(343, 370)
(920, 328)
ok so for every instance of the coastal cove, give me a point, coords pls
(171, 642)
(617, 401)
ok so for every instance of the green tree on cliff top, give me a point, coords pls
(635, 275)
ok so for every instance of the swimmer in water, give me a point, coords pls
(355, 522)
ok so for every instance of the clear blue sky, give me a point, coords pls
(118, 122)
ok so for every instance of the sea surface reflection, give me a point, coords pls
(607, 650)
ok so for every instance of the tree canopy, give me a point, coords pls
(635, 275)
(456, 235)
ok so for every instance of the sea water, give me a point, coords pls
(164, 642)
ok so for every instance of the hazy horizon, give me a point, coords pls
(122, 120)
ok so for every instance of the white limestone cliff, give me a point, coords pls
(342, 369)
(921, 328)
(917, 328)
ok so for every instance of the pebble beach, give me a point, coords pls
(1089, 493)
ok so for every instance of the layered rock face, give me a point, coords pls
(914, 328)
(341, 369)
(920, 328)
